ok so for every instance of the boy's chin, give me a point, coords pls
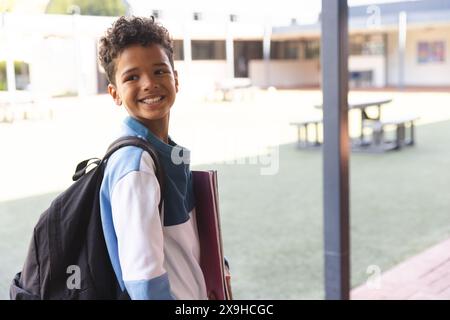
(151, 116)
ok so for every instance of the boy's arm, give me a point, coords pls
(137, 223)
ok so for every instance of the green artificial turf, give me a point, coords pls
(272, 224)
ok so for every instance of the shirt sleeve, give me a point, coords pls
(138, 228)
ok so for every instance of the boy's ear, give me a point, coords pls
(175, 75)
(113, 92)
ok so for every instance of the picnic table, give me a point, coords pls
(378, 141)
(228, 86)
(363, 107)
(21, 105)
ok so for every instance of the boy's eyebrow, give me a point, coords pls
(128, 71)
(161, 64)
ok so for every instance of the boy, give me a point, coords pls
(153, 257)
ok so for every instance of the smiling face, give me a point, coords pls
(146, 84)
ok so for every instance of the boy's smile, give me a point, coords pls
(146, 84)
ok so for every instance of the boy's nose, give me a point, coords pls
(150, 83)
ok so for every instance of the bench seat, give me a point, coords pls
(304, 127)
(402, 136)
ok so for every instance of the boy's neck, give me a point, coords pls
(159, 128)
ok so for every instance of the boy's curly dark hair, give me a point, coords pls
(128, 31)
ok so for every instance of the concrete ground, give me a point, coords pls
(271, 206)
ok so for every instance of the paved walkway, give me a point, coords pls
(425, 276)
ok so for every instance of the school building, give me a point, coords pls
(390, 45)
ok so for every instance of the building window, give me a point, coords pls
(178, 50)
(156, 14)
(312, 49)
(244, 52)
(3, 79)
(208, 50)
(285, 50)
(366, 45)
(233, 18)
(197, 16)
(22, 73)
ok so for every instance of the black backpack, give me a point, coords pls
(67, 257)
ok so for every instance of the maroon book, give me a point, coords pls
(216, 274)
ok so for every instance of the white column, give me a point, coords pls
(81, 85)
(10, 72)
(187, 51)
(266, 49)
(187, 86)
(402, 21)
(230, 51)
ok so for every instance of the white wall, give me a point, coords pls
(376, 64)
(426, 74)
(307, 72)
(60, 65)
(52, 69)
(287, 73)
(88, 65)
(200, 77)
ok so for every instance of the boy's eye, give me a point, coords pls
(130, 78)
(161, 71)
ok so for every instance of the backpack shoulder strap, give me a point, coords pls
(146, 146)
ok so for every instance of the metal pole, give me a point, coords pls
(334, 55)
